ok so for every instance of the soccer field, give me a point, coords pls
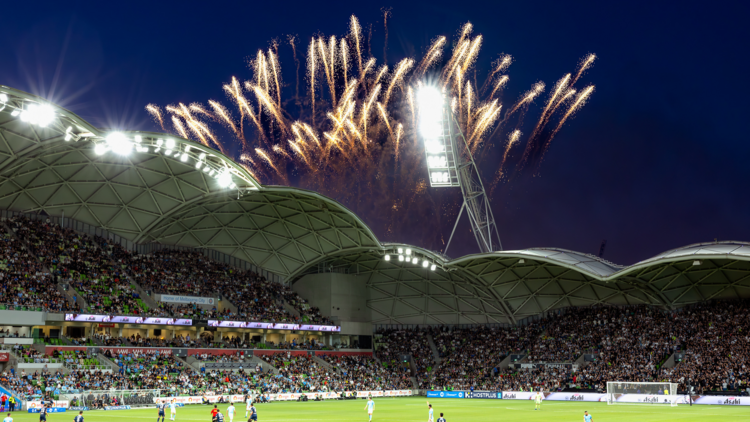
(414, 409)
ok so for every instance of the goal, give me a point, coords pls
(622, 392)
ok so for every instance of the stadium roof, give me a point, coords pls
(174, 191)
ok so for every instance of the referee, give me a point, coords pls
(441, 418)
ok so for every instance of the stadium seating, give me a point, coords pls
(98, 270)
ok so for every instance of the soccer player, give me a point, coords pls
(230, 411)
(431, 416)
(173, 410)
(587, 417)
(538, 400)
(79, 418)
(370, 406)
(160, 407)
(253, 414)
(43, 413)
(248, 404)
(441, 418)
(214, 414)
(8, 418)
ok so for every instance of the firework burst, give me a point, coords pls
(350, 138)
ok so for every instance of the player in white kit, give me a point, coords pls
(370, 406)
(230, 411)
(538, 400)
(173, 410)
(431, 415)
(248, 404)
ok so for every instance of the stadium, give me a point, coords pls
(139, 267)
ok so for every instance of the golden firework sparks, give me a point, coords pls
(155, 111)
(356, 33)
(179, 127)
(501, 81)
(402, 68)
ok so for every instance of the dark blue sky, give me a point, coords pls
(656, 160)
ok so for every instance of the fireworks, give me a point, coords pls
(350, 138)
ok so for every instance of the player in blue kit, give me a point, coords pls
(160, 407)
(8, 418)
(587, 417)
(370, 406)
(431, 415)
(79, 418)
(173, 410)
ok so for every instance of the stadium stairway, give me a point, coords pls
(107, 362)
(324, 364)
(254, 361)
(433, 347)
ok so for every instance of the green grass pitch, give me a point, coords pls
(413, 409)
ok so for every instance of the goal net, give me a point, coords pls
(620, 392)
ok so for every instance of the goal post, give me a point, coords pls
(626, 392)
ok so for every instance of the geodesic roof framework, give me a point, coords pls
(175, 196)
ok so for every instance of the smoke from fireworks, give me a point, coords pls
(351, 137)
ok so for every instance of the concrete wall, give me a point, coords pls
(340, 296)
(22, 318)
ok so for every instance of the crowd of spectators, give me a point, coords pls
(396, 343)
(24, 281)
(471, 356)
(367, 373)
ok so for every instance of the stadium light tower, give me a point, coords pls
(451, 164)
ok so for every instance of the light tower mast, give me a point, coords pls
(451, 164)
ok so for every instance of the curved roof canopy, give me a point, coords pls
(149, 187)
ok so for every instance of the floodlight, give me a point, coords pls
(67, 137)
(206, 169)
(225, 179)
(400, 258)
(400, 250)
(430, 102)
(408, 251)
(425, 263)
(170, 143)
(232, 186)
(414, 261)
(119, 143)
(38, 114)
(183, 157)
(432, 267)
(168, 152)
(100, 148)
(3, 98)
(198, 165)
(15, 113)
(387, 257)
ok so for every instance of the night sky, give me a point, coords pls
(656, 160)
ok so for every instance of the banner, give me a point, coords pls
(4, 356)
(36, 404)
(576, 397)
(49, 410)
(188, 299)
(645, 398)
(322, 328)
(484, 395)
(116, 407)
(127, 319)
(77, 408)
(286, 396)
(140, 350)
(722, 400)
(518, 395)
(446, 394)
